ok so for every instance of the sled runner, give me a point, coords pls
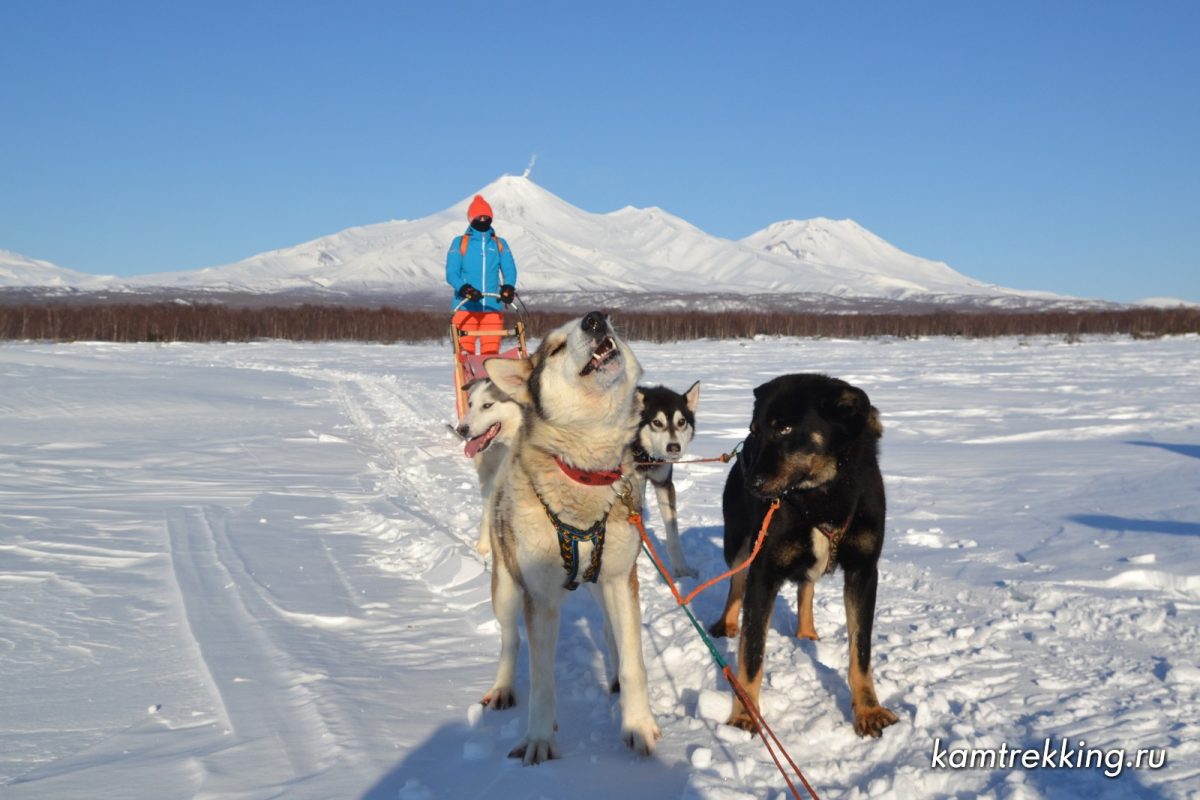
(469, 366)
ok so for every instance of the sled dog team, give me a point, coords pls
(565, 442)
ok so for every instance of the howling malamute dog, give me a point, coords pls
(490, 427)
(561, 518)
(666, 428)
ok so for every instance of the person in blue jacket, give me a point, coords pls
(479, 262)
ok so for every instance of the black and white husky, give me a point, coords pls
(561, 519)
(666, 428)
(490, 428)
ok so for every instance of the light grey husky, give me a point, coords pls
(561, 519)
(490, 428)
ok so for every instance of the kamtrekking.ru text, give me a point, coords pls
(1051, 755)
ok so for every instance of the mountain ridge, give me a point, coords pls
(560, 248)
(20, 271)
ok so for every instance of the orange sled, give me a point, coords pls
(468, 367)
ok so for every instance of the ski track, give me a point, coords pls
(307, 683)
(258, 700)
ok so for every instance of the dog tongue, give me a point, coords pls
(481, 441)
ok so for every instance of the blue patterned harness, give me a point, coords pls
(569, 538)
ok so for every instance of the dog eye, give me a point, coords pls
(486, 406)
(558, 348)
(682, 424)
(658, 423)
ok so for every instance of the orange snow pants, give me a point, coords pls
(476, 321)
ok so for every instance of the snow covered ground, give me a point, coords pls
(247, 571)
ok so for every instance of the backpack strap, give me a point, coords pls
(465, 239)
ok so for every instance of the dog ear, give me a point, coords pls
(760, 397)
(873, 422)
(511, 376)
(851, 404)
(693, 397)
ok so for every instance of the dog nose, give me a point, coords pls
(594, 321)
(672, 448)
(463, 430)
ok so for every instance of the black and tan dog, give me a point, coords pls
(814, 444)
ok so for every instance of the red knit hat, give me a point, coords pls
(479, 208)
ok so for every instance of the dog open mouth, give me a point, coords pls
(603, 356)
(480, 443)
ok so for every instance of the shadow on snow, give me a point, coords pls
(460, 761)
(1189, 450)
(1108, 522)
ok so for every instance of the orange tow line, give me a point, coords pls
(764, 730)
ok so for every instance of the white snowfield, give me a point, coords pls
(247, 571)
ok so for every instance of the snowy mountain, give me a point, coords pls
(564, 249)
(1165, 302)
(642, 256)
(845, 246)
(18, 271)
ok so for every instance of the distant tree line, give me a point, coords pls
(167, 322)
(1141, 322)
(171, 322)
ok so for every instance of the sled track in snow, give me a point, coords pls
(270, 714)
(410, 472)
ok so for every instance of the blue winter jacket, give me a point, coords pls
(486, 266)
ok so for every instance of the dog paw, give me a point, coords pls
(641, 737)
(871, 721)
(809, 634)
(721, 630)
(534, 751)
(483, 547)
(741, 719)
(500, 698)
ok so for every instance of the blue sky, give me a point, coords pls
(1040, 145)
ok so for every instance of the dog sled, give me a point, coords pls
(468, 367)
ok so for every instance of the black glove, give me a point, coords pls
(469, 292)
(508, 293)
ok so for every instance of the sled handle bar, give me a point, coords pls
(484, 294)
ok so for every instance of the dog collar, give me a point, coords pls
(600, 477)
(644, 459)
